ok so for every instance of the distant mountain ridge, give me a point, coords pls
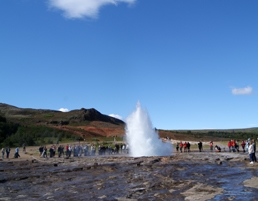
(57, 117)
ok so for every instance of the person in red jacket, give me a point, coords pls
(229, 146)
(181, 146)
(233, 145)
(185, 146)
(243, 145)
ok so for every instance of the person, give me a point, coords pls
(127, 148)
(60, 150)
(243, 145)
(233, 145)
(211, 146)
(185, 146)
(8, 150)
(200, 146)
(85, 150)
(67, 150)
(237, 146)
(51, 152)
(177, 146)
(16, 154)
(41, 150)
(251, 152)
(44, 154)
(217, 148)
(229, 145)
(24, 147)
(254, 156)
(181, 146)
(3, 151)
(188, 146)
(247, 145)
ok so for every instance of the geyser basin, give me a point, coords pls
(142, 138)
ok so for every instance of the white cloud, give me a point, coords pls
(63, 110)
(242, 91)
(83, 8)
(116, 116)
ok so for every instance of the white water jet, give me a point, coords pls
(142, 138)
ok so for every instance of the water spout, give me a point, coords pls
(142, 138)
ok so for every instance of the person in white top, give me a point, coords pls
(251, 152)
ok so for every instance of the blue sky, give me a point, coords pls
(192, 64)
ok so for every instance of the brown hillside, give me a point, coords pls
(83, 122)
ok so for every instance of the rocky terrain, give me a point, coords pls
(181, 176)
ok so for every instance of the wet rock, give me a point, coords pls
(125, 199)
(87, 167)
(119, 178)
(253, 182)
(219, 162)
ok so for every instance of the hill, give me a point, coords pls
(82, 123)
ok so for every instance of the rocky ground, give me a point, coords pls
(181, 176)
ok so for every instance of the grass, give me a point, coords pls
(48, 115)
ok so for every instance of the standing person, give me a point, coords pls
(243, 145)
(229, 145)
(41, 150)
(254, 143)
(185, 146)
(247, 145)
(237, 146)
(177, 146)
(233, 145)
(188, 146)
(44, 154)
(85, 150)
(3, 151)
(211, 146)
(51, 152)
(200, 146)
(251, 152)
(8, 150)
(67, 150)
(24, 147)
(181, 146)
(127, 148)
(59, 149)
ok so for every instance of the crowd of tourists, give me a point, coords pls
(78, 150)
(248, 146)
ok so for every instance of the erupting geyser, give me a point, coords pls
(142, 138)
